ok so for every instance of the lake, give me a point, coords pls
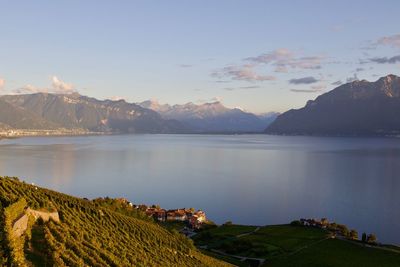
(247, 179)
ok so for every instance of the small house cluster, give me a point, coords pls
(194, 218)
(323, 223)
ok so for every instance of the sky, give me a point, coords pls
(258, 55)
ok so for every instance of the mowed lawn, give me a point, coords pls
(338, 253)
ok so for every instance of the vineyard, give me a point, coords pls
(88, 234)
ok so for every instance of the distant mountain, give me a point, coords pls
(356, 108)
(74, 111)
(211, 117)
(12, 116)
(268, 117)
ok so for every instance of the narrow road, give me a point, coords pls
(249, 233)
(241, 258)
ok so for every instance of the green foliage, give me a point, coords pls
(371, 238)
(296, 223)
(92, 233)
(14, 243)
(364, 237)
(353, 235)
(122, 207)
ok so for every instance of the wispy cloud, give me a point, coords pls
(283, 59)
(304, 80)
(185, 65)
(244, 73)
(352, 79)
(385, 60)
(242, 88)
(250, 87)
(319, 87)
(303, 90)
(337, 83)
(222, 81)
(30, 89)
(392, 40)
(209, 100)
(314, 89)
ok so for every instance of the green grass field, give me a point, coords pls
(286, 245)
(338, 253)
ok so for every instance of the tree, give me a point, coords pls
(364, 237)
(296, 223)
(353, 234)
(371, 239)
(343, 229)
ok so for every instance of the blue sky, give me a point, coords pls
(259, 55)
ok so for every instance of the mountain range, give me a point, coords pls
(356, 108)
(59, 112)
(74, 111)
(212, 117)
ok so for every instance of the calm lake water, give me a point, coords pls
(248, 179)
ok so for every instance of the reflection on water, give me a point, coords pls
(251, 179)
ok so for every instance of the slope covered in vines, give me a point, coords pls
(91, 235)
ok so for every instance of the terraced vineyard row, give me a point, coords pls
(91, 235)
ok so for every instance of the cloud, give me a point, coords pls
(283, 59)
(352, 79)
(2, 83)
(185, 65)
(244, 73)
(385, 60)
(60, 86)
(319, 87)
(304, 80)
(393, 40)
(30, 89)
(57, 86)
(116, 98)
(222, 81)
(241, 88)
(337, 83)
(250, 87)
(303, 90)
(360, 69)
(281, 54)
(210, 100)
(314, 89)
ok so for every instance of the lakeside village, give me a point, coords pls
(192, 218)
(14, 133)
